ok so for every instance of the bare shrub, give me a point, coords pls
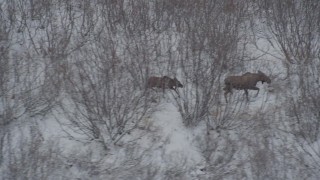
(31, 157)
(294, 27)
(208, 47)
(10, 107)
(105, 105)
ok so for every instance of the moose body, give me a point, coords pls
(164, 82)
(247, 81)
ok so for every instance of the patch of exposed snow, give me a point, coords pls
(179, 139)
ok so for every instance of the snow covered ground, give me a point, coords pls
(257, 139)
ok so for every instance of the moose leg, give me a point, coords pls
(227, 90)
(175, 89)
(225, 96)
(257, 90)
(163, 91)
(247, 94)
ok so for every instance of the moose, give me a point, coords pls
(247, 81)
(164, 82)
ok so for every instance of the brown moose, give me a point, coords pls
(164, 82)
(247, 81)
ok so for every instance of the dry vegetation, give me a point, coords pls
(90, 61)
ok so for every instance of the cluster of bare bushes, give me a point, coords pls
(91, 60)
(293, 28)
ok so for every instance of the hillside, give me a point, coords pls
(75, 102)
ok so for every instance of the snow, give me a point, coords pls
(252, 140)
(179, 139)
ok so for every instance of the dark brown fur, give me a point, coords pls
(247, 81)
(164, 82)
